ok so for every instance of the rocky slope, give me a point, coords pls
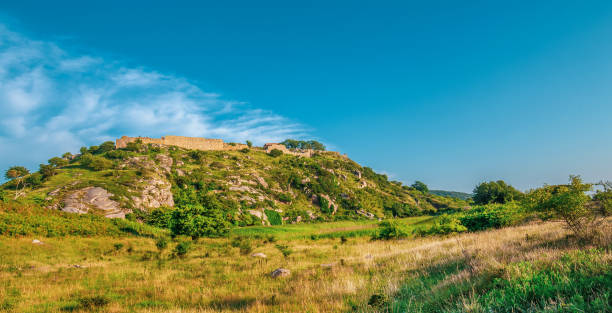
(253, 186)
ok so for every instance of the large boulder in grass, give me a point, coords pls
(280, 272)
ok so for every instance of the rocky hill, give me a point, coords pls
(252, 185)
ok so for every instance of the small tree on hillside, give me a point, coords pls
(58, 162)
(17, 173)
(249, 143)
(573, 205)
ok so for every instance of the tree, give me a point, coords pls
(197, 221)
(571, 204)
(105, 147)
(58, 162)
(420, 186)
(17, 173)
(495, 192)
(300, 144)
(249, 143)
(83, 150)
(67, 155)
(47, 170)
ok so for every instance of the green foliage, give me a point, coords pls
(200, 221)
(18, 220)
(160, 217)
(161, 243)
(117, 154)
(569, 203)
(83, 150)
(275, 153)
(67, 155)
(495, 192)
(58, 162)
(299, 144)
(391, 229)
(182, 248)
(420, 186)
(47, 170)
(577, 282)
(92, 302)
(443, 225)
(274, 217)
(284, 249)
(491, 216)
(249, 143)
(105, 147)
(95, 162)
(34, 180)
(16, 172)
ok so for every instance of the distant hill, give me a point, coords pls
(452, 194)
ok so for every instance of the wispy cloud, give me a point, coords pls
(52, 101)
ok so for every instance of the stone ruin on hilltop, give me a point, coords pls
(206, 144)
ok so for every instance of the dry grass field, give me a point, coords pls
(129, 274)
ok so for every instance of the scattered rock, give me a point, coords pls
(261, 181)
(362, 184)
(78, 266)
(366, 214)
(368, 256)
(280, 272)
(37, 242)
(328, 265)
(357, 173)
(259, 255)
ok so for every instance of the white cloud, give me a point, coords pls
(52, 101)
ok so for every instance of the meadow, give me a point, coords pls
(335, 267)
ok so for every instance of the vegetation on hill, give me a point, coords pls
(227, 188)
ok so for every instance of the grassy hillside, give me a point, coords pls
(251, 186)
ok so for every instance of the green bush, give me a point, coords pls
(390, 229)
(491, 216)
(199, 221)
(182, 248)
(95, 162)
(444, 225)
(274, 217)
(275, 153)
(160, 217)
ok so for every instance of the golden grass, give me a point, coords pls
(326, 276)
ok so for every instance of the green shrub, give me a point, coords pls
(161, 243)
(93, 302)
(444, 225)
(284, 249)
(390, 229)
(58, 162)
(274, 217)
(491, 216)
(34, 180)
(275, 153)
(182, 248)
(95, 162)
(160, 217)
(199, 221)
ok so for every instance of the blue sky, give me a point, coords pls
(451, 93)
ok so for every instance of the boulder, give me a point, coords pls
(37, 242)
(259, 255)
(280, 272)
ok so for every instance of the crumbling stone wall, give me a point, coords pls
(205, 144)
(193, 143)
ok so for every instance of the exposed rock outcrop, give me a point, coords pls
(90, 199)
